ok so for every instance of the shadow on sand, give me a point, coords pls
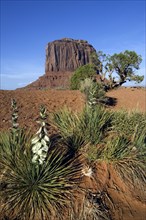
(111, 101)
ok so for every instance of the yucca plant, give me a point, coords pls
(10, 148)
(38, 193)
(77, 130)
(95, 123)
(128, 159)
(127, 123)
(13, 142)
(36, 188)
(16, 137)
(93, 91)
(68, 124)
(117, 149)
(41, 141)
(92, 208)
(132, 126)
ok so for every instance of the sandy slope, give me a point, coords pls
(129, 98)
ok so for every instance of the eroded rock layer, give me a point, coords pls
(63, 57)
(67, 54)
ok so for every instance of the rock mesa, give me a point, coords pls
(63, 57)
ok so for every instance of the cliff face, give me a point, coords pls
(67, 55)
(63, 57)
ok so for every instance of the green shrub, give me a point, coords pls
(128, 160)
(116, 149)
(36, 179)
(95, 123)
(77, 130)
(93, 91)
(68, 123)
(43, 188)
(83, 72)
(123, 144)
(128, 124)
(36, 192)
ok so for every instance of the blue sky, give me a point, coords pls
(27, 27)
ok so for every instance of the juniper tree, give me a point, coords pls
(120, 68)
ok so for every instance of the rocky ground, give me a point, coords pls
(126, 202)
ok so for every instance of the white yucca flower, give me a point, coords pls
(41, 141)
(35, 140)
(92, 98)
(45, 148)
(35, 158)
(46, 138)
(87, 171)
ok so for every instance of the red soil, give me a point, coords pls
(129, 98)
(125, 201)
(29, 102)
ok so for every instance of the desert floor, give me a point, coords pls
(126, 202)
(29, 101)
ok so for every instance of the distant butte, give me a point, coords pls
(63, 57)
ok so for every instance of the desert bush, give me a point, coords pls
(39, 188)
(129, 124)
(77, 130)
(95, 123)
(93, 208)
(68, 123)
(93, 91)
(40, 192)
(128, 160)
(83, 72)
(124, 145)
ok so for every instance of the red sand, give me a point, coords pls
(126, 202)
(30, 100)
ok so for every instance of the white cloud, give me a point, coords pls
(20, 76)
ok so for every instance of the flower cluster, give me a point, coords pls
(92, 100)
(15, 124)
(41, 141)
(87, 171)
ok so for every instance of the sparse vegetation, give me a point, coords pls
(40, 176)
(113, 70)
(93, 91)
(129, 124)
(83, 72)
(35, 192)
(118, 138)
(119, 67)
(79, 130)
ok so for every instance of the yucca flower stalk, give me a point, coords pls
(88, 88)
(14, 107)
(94, 92)
(15, 125)
(40, 143)
(92, 100)
(36, 191)
(11, 140)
